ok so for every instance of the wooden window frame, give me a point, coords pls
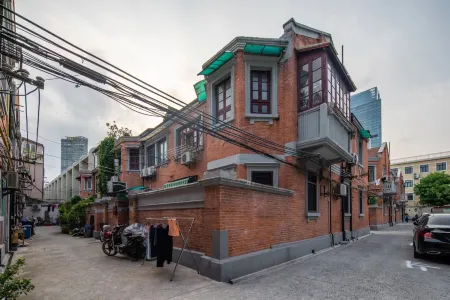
(130, 162)
(259, 102)
(225, 108)
(308, 59)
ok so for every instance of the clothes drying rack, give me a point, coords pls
(184, 237)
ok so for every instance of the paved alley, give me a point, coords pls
(380, 266)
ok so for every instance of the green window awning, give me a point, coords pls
(176, 183)
(138, 188)
(263, 49)
(200, 90)
(217, 63)
(365, 134)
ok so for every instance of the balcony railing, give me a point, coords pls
(389, 188)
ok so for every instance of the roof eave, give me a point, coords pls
(239, 42)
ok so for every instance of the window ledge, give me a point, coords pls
(347, 215)
(313, 214)
(361, 215)
(133, 171)
(261, 117)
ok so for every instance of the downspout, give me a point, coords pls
(329, 207)
(351, 204)
(342, 205)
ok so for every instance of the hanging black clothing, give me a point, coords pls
(161, 244)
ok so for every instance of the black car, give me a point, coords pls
(432, 235)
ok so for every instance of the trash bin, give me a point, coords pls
(27, 231)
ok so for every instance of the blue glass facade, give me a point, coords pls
(366, 106)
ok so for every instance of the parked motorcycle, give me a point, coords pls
(132, 245)
(105, 228)
(79, 231)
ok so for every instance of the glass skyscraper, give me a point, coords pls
(72, 148)
(366, 106)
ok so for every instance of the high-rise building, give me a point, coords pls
(366, 106)
(72, 148)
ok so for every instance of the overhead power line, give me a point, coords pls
(126, 94)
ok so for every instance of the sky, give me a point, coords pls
(401, 47)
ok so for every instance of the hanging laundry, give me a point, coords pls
(161, 244)
(173, 227)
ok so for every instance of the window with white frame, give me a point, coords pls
(409, 170)
(409, 183)
(133, 159)
(441, 166)
(424, 168)
(312, 193)
(361, 201)
(87, 183)
(261, 82)
(372, 173)
(410, 196)
(157, 153)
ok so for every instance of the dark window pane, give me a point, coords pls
(263, 177)
(439, 220)
(133, 159)
(312, 197)
(304, 91)
(361, 202)
(312, 177)
(304, 81)
(346, 205)
(304, 102)
(317, 75)
(317, 63)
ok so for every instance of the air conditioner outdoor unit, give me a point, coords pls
(354, 158)
(115, 186)
(151, 171)
(144, 172)
(187, 157)
(114, 178)
(416, 175)
(342, 190)
(12, 180)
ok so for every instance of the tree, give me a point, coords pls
(115, 132)
(106, 156)
(11, 287)
(434, 190)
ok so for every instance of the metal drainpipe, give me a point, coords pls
(342, 205)
(329, 206)
(351, 203)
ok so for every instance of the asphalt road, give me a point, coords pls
(380, 266)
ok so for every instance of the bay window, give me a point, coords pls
(320, 82)
(189, 137)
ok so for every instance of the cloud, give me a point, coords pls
(398, 46)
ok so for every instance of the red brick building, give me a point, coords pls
(253, 211)
(385, 189)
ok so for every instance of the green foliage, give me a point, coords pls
(105, 162)
(72, 213)
(372, 200)
(115, 132)
(11, 286)
(434, 190)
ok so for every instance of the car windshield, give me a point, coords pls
(439, 220)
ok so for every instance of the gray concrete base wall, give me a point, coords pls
(379, 227)
(234, 267)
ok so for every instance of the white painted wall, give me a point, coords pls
(28, 212)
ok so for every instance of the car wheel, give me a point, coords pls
(416, 254)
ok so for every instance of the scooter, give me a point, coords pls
(78, 231)
(134, 246)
